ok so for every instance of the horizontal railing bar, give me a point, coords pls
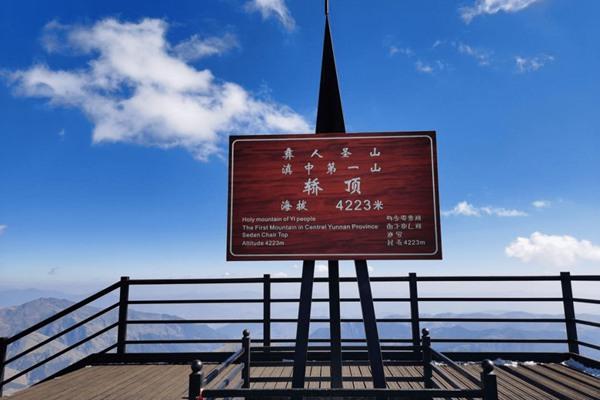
(327, 393)
(589, 323)
(64, 312)
(201, 281)
(343, 300)
(347, 320)
(541, 341)
(185, 341)
(328, 348)
(585, 277)
(281, 340)
(273, 300)
(60, 353)
(440, 340)
(354, 300)
(505, 278)
(516, 299)
(590, 345)
(524, 320)
(280, 348)
(198, 301)
(454, 366)
(364, 362)
(253, 321)
(590, 301)
(499, 278)
(194, 321)
(346, 378)
(59, 334)
(342, 320)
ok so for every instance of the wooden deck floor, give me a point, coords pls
(169, 382)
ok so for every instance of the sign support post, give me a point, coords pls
(368, 311)
(335, 326)
(330, 119)
(302, 328)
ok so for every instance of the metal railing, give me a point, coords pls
(566, 297)
(230, 386)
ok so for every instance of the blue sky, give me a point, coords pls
(115, 117)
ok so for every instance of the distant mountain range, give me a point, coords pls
(15, 297)
(17, 318)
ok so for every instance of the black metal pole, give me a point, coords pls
(489, 382)
(427, 370)
(302, 329)
(368, 311)
(3, 351)
(335, 328)
(247, 359)
(414, 307)
(196, 380)
(267, 310)
(123, 306)
(569, 307)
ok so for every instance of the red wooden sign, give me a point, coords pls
(351, 196)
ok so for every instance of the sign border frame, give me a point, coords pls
(431, 135)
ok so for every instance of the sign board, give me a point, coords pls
(349, 196)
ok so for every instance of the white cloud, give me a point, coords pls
(3, 228)
(406, 51)
(469, 210)
(483, 57)
(541, 203)
(481, 7)
(463, 208)
(135, 89)
(196, 47)
(532, 64)
(503, 212)
(560, 251)
(424, 68)
(273, 8)
(54, 37)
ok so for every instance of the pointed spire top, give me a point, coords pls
(330, 116)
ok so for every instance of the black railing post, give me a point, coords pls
(414, 308)
(569, 307)
(196, 381)
(427, 370)
(246, 347)
(489, 384)
(3, 351)
(123, 306)
(267, 311)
